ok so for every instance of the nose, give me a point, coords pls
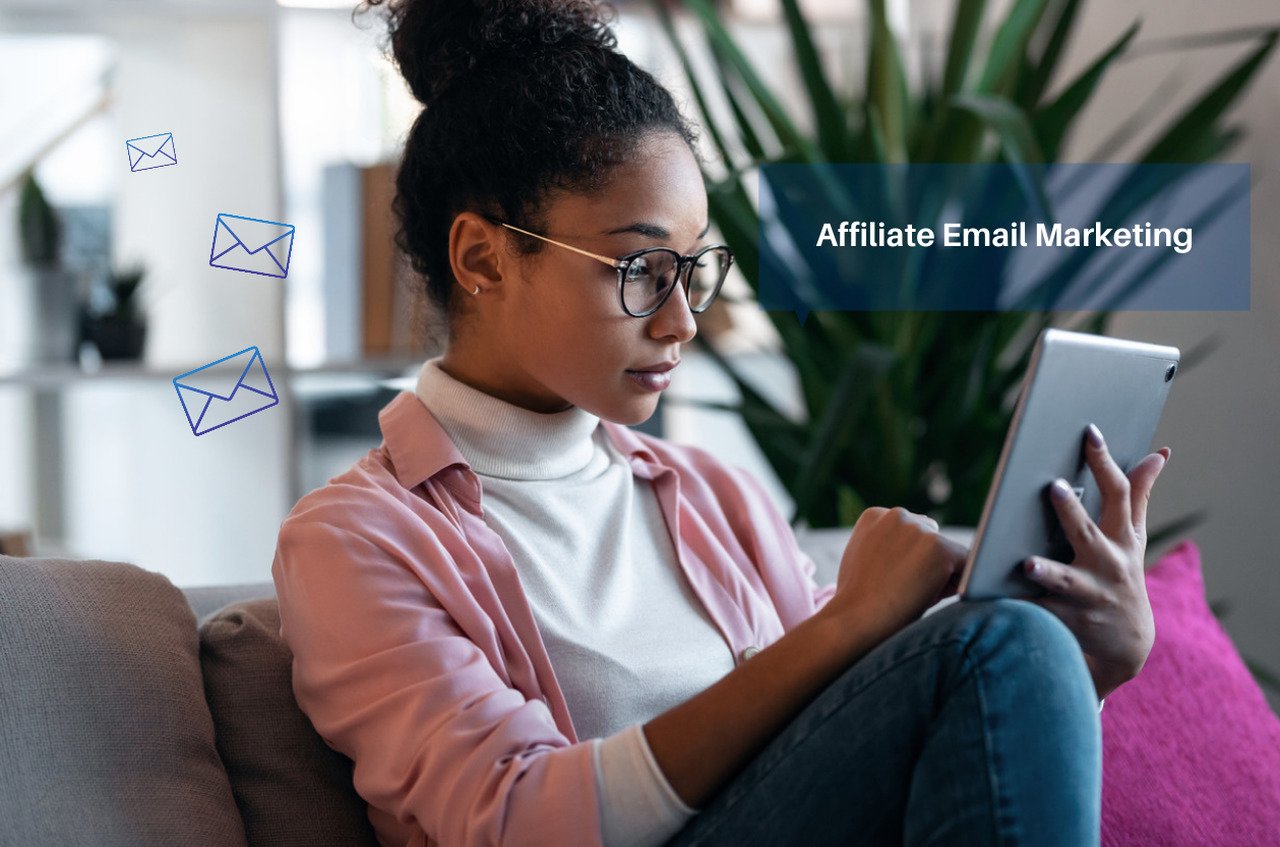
(674, 319)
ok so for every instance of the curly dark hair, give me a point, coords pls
(522, 98)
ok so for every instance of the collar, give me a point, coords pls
(504, 440)
(420, 448)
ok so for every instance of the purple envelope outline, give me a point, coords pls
(219, 222)
(130, 147)
(274, 396)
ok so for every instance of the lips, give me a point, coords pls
(658, 368)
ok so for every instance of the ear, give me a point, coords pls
(476, 253)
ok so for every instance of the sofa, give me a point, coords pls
(136, 713)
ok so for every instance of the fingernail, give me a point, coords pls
(1095, 436)
(1032, 566)
(1060, 489)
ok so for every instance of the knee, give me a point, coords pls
(1030, 624)
(1012, 633)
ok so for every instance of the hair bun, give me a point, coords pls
(437, 42)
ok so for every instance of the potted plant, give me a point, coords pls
(910, 408)
(53, 295)
(119, 330)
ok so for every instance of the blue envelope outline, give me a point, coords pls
(251, 245)
(213, 405)
(156, 151)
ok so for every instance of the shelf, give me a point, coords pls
(71, 375)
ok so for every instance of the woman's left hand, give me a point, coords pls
(1102, 595)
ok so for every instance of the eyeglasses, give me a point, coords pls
(647, 277)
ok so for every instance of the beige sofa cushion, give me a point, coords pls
(291, 787)
(105, 737)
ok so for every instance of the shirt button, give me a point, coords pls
(749, 652)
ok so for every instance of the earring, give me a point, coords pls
(477, 291)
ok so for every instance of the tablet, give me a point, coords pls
(1073, 379)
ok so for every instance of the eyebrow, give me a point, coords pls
(651, 230)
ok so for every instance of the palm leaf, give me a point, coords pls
(723, 46)
(1009, 47)
(1052, 122)
(1197, 124)
(886, 87)
(829, 115)
(1035, 80)
(964, 33)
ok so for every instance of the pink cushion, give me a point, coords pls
(1191, 749)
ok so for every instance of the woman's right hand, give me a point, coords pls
(895, 566)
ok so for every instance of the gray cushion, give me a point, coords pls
(207, 599)
(105, 737)
(292, 788)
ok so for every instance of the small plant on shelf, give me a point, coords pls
(118, 328)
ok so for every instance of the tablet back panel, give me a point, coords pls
(1073, 379)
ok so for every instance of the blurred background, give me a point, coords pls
(289, 112)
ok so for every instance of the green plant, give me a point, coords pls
(39, 228)
(124, 285)
(910, 408)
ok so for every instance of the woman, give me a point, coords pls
(527, 623)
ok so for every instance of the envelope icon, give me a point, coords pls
(225, 391)
(251, 245)
(151, 151)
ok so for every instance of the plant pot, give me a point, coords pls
(54, 325)
(118, 338)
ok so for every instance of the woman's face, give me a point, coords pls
(548, 331)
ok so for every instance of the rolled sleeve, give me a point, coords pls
(441, 744)
(639, 808)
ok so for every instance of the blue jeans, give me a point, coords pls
(976, 724)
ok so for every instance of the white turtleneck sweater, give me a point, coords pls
(626, 635)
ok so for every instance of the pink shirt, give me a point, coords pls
(416, 653)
